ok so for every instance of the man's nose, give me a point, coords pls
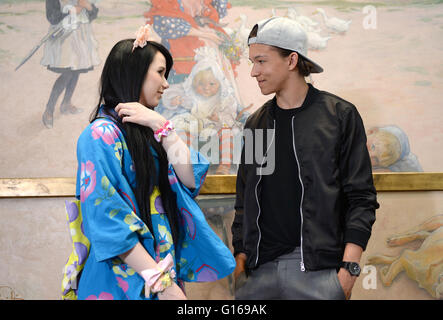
(254, 72)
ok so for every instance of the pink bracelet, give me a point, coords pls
(158, 279)
(164, 131)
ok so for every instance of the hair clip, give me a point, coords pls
(142, 36)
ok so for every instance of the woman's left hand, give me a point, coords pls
(137, 113)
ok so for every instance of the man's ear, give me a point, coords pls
(293, 60)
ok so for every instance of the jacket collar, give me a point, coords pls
(309, 99)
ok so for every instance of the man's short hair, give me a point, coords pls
(301, 63)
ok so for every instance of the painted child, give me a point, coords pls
(72, 52)
(206, 100)
(389, 150)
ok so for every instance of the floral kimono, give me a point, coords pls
(111, 222)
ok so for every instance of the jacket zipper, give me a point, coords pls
(256, 195)
(302, 264)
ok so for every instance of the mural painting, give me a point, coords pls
(424, 265)
(385, 57)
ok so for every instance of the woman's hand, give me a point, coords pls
(137, 113)
(178, 152)
(173, 292)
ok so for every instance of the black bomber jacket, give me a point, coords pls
(338, 199)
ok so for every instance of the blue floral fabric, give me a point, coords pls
(105, 184)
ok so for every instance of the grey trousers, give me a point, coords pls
(282, 279)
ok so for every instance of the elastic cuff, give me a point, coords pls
(357, 237)
(238, 247)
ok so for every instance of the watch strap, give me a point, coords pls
(347, 265)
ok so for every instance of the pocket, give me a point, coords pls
(340, 291)
(240, 281)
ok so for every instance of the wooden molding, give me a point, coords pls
(214, 184)
(37, 187)
(408, 181)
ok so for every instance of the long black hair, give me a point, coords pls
(121, 81)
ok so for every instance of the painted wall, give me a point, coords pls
(388, 63)
(392, 73)
(35, 243)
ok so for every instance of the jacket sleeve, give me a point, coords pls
(356, 180)
(237, 225)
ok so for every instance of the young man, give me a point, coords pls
(300, 229)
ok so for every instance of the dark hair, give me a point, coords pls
(121, 81)
(302, 64)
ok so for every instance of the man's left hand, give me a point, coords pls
(347, 282)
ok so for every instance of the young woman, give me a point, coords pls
(136, 180)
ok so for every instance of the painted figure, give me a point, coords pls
(71, 51)
(389, 150)
(190, 26)
(206, 100)
(185, 25)
(424, 265)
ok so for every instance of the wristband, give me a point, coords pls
(163, 131)
(159, 278)
(161, 284)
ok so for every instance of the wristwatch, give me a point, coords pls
(352, 267)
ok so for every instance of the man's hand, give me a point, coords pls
(352, 253)
(240, 259)
(346, 281)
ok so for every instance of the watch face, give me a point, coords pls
(354, 269)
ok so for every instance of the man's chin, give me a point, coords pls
(265, 92)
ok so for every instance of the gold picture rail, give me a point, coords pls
(214, 184)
